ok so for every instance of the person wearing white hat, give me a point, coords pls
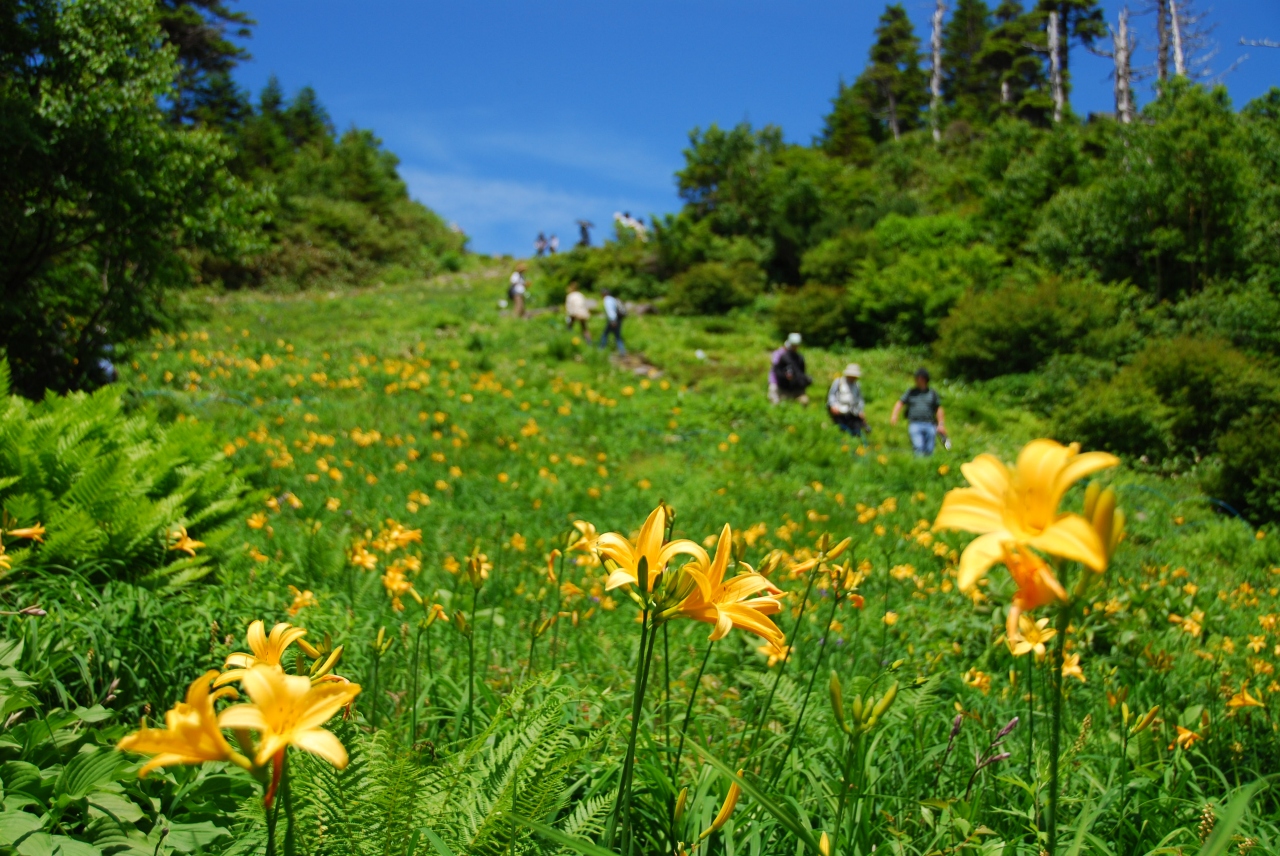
(845, 402)
(787, 378)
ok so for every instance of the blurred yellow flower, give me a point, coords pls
(1243, 698)
(34, 533)
(191, 734)
(1037, 586)
(1021, 507)
(182, 541)
(287, 710)
(1071, 667)
(775, 653)
(1027, 636)
(301, 600)
(1186, 739)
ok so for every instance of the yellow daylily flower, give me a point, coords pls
(1030, 636)
(726, 809)
(36, 533)
(626, 555)
(184, 542)
(1243, 698)
(775, 653)
(1071, 668)
(732, 604)
(585, 540)
(191, 734)
(1037, 586)
(288, 710)
(1186, 739)
(267, 650)
(1021, 507)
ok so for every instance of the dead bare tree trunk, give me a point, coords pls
(1162, 40)
(1005, 94)
(1179, 59)
(1055, 67)
(1123, 53)
(935, 83)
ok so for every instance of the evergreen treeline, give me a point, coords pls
(1119, 273)
(133, 164)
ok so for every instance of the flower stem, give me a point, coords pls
(1055, 724)
(555, 631)
(795, 630)
(688, 711)
(637, 702)
(413, 699)
(804, 705)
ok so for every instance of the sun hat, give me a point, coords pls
(922, 372)
(793, 339)
(522, 267)
(853, 370)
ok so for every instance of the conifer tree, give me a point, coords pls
(1013, 54)
(202, 32)
(969, 88)
(850, 131)
(894, 85)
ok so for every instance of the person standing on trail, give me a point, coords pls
(540, 244)
(518, 289)
(613, 315)
(577, 311)
(925, 419)
(845, 403)
(584, 232)
(787, 378)
(553, 244)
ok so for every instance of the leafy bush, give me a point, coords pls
(1124, 417)
(1015, 329)
(818, 312)
(713, 288)
(112, 489)
(1247, 474)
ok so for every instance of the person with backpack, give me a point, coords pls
(614, 312)
(517, 289)
(845, 403)
(787, 378)
(576, 310)
(925, 419)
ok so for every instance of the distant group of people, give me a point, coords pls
(635, 224)
(926, 420)
(543, 245)
(578, 312)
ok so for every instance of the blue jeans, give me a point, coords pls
(923, 436)
(614, 327)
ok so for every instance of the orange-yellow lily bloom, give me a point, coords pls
(190, 735)
(732, 604)
(266, 649)
(626, 555)
(288, 710)
(1021, 507)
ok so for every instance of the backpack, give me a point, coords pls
(791, 372)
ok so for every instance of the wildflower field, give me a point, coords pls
(558, 602)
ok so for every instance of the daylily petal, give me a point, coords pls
(970, 510)
(620, 577)
(982, 552)
(1071, 537)
(242, 716)
(1081, 466)
(324, 744)
(987, 474)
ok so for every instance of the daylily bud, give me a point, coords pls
(320, 669)
(856, 708)
(1091, 499)
(309, 649)
(1124, 712)
(837, 701)
(824, 844)
(680, 802)
(1103, 517)
(1145, 722)
(887, 700)
(838, 550)
(730, 802)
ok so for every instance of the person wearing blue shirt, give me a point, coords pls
(613, 315)
(925, 419)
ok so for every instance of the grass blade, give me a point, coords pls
(1220, 840)
(586, 848)
(779, 813)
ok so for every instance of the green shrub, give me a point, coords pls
(713, 288)
(1015, 329)
(818, 312)
(1123, 417)
(1247, 475)
(112, 489)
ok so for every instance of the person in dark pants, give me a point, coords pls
(613, 315)
(845, 402)
(925, 419)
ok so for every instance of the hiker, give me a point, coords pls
(577, 311)
(553, 244)
(845, 402)
(786, 373)
(584, 232)
(540, 244)
(518, 289)
(925, 419)
(613, 315)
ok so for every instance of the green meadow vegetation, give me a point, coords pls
(309, 546)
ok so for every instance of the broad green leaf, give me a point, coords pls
(15, 824)
(44, 844)
(116, 806)
(87, 771)
(190, 837)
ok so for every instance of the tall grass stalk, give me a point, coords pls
(804, 705)
(744, 750)
(1055, 725)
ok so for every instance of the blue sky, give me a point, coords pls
(514, 117)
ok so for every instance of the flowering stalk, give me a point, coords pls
(1055, 723)
(768, 703)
